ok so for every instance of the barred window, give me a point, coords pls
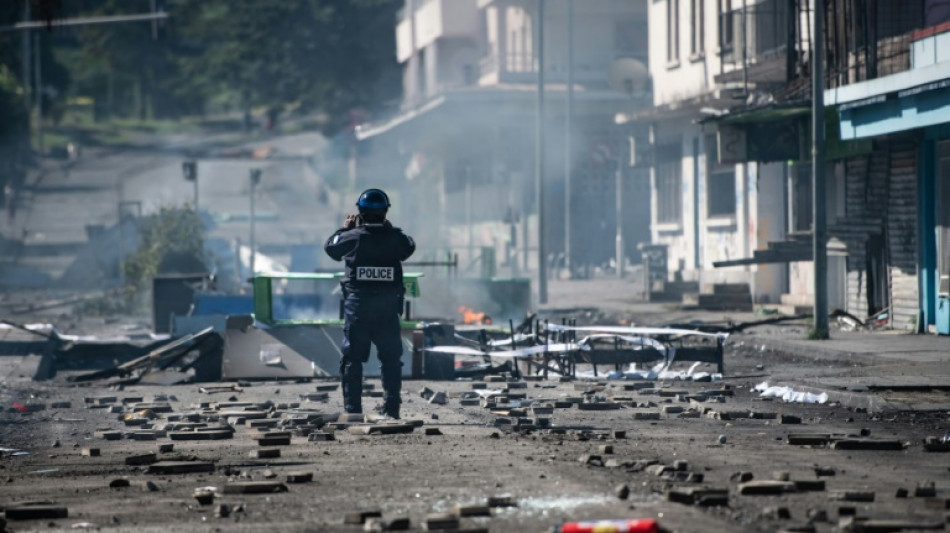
(669, 183)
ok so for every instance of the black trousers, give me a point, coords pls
(371, 318)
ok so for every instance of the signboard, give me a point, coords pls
(732, 145)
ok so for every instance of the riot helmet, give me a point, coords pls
(373, 205)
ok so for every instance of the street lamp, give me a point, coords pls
(190, 170)
(255, 179)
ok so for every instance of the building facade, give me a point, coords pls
(460, 153)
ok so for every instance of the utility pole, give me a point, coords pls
(568, 119)
(27, 59)
(38, 70)
(619, 214)
(819, 231)
(255, 179)
(539, 160)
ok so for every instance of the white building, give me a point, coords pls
(709, 204)
(460, 153)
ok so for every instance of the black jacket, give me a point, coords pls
(373, 254)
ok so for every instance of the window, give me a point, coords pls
(697, 33)
(726, 26)
(720, 189)
(669, 183)
(672, 31)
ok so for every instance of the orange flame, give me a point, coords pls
(470, 316)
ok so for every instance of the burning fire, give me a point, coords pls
(470, 316)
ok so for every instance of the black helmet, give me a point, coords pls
(373, 200)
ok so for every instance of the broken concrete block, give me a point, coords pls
(646, 415)
(381, 429)
(868, 444)
(592, 460)
(851, 495)
(265, 453)
(438, 398)
(825, 471)
(622, 491)
(927, 489)
(790, 419)
(765, 488)
(658, 470)
(809, 485)
(107, 434)
(433, 431)
(853, 524)
(61, 405)
(180, 467)
(144, 435)
(741, 477)
(327, 388)
(319, 436)
(502, 501)
(469, 402)
(936, 444)
(672, 409)
(90, 452)
(36, 512)
(618, 434)
(274, 441)
(315, 396)
(223, 510)
(681, 465)
(806, 439)
(119, 483)
(166, 448)
(781, 475)
(204, 495)
(702, 497)
(471, 510)
(141, 459)
(254, 487)
(437, 521)
(605, 449)
(598, 406)
(210, 434)
(360, 517)
(299, 477)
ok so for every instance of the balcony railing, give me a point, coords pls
(759, 31)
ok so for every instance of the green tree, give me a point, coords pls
(165, 237)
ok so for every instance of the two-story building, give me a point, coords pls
(460, 153)
(720, 192)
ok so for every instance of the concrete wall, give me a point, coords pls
(689, 75)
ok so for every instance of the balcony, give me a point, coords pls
(753, 43)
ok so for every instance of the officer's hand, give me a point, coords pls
(350, 221)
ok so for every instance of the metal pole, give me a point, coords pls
(196, 191)
(253, 220)
(568, 118)
(619, 215)
(539, 161)
(818, 172)
(27, 59)
(468, 212)
(39, 94)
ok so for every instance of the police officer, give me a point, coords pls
(373, 292)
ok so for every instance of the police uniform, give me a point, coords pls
(373, 294)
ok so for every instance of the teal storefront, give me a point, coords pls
(915, 101)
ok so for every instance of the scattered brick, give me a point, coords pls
(166, 448)
(502, 501)
(265, 453)
(141, 459)
(254, 487)
(150, 486)
(592, 460)
(619, 434)
(809, 485)
(936, 444)
(868, 444)
(790, 419)
(180, 467)
(319, 436)
(205, 496)
(438, 398)
(433, 431)
(36, 512)
(472, 510)
(765, 488)
(108, 434)
(622, 491)
(658, 470)
(61, 405)
(91, 452)
(381, 429)
(702, 497)
(299, 477)
(854, 524)
(598, 406)
(741, 477)
(360, 517)
(926, 489)
(437, 521)
(803, 439)
(119, 483)
(210, 434)
(776, 513)
(605, 449)
(825, 471)
(901, 493)
(646, 416)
